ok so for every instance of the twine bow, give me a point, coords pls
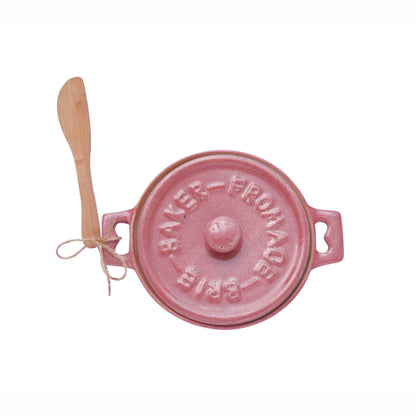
(101, 244)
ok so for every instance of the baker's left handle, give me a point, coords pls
(109, 223)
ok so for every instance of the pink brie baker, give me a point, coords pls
(222, 239)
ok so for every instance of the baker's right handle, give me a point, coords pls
(333, 237)
(108, 228)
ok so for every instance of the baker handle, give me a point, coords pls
(109, 223)
(333, 237)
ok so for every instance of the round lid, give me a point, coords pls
(222, 239)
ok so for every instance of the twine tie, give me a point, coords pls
(101, 244)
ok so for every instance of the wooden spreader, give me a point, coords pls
(220, 239)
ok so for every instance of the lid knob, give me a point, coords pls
(223, 234)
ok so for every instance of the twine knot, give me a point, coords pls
(101, 244)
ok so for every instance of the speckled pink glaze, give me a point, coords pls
(224, 239)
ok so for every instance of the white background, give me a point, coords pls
(332, 106)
